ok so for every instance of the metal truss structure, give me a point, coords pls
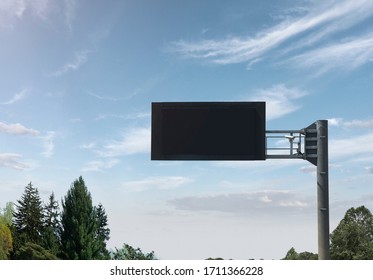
(309, 144)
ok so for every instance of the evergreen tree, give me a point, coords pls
(32, 251)
(51, 236)
(102, 233)
(79, 223)
(28, 217)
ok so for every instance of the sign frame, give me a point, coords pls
(232, 110)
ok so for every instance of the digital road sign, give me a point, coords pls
(208, 131)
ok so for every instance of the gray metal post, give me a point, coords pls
(323, 190)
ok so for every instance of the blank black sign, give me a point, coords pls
(208, 131)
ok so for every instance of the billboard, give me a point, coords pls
(208, 131)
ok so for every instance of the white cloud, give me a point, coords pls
(161, 182)
(48, 144)
(369, 169)
(11, 160)
(264, 165)
(102, 97)
(17, 129)
(335, 121)
(279, 100)
(353, 124)
(268, 201)
(346, 55)
(353, 146)
(13, 10)
(295, 34)
(99, 165)
(17, 97)
(134, 141)
(80, 58)
(359, 124)
(88, 146)
(146, 86)
(310, 169)
(134, 116)
(75, 120)
(70, 11)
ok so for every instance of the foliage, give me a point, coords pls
(79, 224)
(102, 232)
(6, 241)
(52, 226)
(293, 255)
(32, 251)
(28, 216)
(6, 214)
(307, 256)
(127, 252)
(353, 237)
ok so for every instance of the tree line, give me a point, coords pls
(31, 229)
(352, 239)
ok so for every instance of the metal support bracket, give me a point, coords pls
(311, 144)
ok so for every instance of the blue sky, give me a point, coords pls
(78, 79)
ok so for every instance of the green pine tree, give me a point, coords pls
(28, 217)
(51, 236)
(32, 251)
(102, 233)
(79, 224)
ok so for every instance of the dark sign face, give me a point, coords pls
(208, 131)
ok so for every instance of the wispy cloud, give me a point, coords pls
(134, 141)
(13, 10)
(48, 144)
(80, 58)
(280, 100)
(369, 169)
(12, 160)
(70, 11)
(75, 120)
(268, 201)
(346, 55)
(354, 146)
(145, 86)
(100, 165)
(134, 116)
(16, 97)
(104, 97)
(88, 146)
(17, 129)
(160, 182)
(353, 124)
(294, 36)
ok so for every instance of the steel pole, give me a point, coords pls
(323, 190)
